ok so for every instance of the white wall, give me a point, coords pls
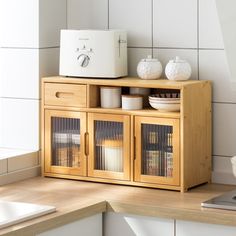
(29, 49)
(166, 28)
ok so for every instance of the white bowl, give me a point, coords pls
(164, 99)
(165, 106)
(165, 102)
(165, 95)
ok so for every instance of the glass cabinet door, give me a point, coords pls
(109, 146)
(64, 139)
(157, 150)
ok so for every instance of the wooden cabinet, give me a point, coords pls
(157, 150)
(65, 142)
(169, 150)
(109, 146)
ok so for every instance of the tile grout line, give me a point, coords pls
(209, 49)
(18, 98)
(29, 48)
(233, 103)
(215, 155)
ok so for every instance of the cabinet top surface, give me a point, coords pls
(125, 81)
(76, 199)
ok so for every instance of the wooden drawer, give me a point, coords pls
(73, 95)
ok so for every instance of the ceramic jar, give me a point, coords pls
(113, 155)
(145, 92)
(110, 97)
(132, 102)
(178, 69)
(149, 68)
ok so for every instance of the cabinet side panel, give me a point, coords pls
(196, 128)
(42, 128)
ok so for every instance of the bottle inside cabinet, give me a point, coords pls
(65, 142)
(157, 150)
(109, 146)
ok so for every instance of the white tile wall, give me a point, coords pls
(31, 24)
(48, 62)
(167, 23)
(19, 23)
(135, 17)
(19, 73)
(175, 23)
(224, 129)
(164, 55)
(213, 66)
(134, 56)
(210, 35)
(20, 123)
(167, 28)
(21, 70)
(87, 14)
(223, 177)
(222, 164)
(29, 50)
(52, 18)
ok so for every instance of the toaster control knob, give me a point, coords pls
(83, 60)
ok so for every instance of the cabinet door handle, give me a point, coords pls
(86, 144)
(134, 148)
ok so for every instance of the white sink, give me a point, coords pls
(15, 212)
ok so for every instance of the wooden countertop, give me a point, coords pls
(78, 199)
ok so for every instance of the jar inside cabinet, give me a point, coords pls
(109, 142)
(157, 150)
(64, 144)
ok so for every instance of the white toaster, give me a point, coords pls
(93, 53)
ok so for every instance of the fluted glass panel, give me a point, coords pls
(65, 142)
(108, 146)
(157, 150)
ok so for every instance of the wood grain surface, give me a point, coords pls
(77, 199)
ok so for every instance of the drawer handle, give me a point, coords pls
(64, 94)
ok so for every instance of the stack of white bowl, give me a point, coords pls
(165, 102)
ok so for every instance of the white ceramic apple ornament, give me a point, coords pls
(178, 69)
(149, 68)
